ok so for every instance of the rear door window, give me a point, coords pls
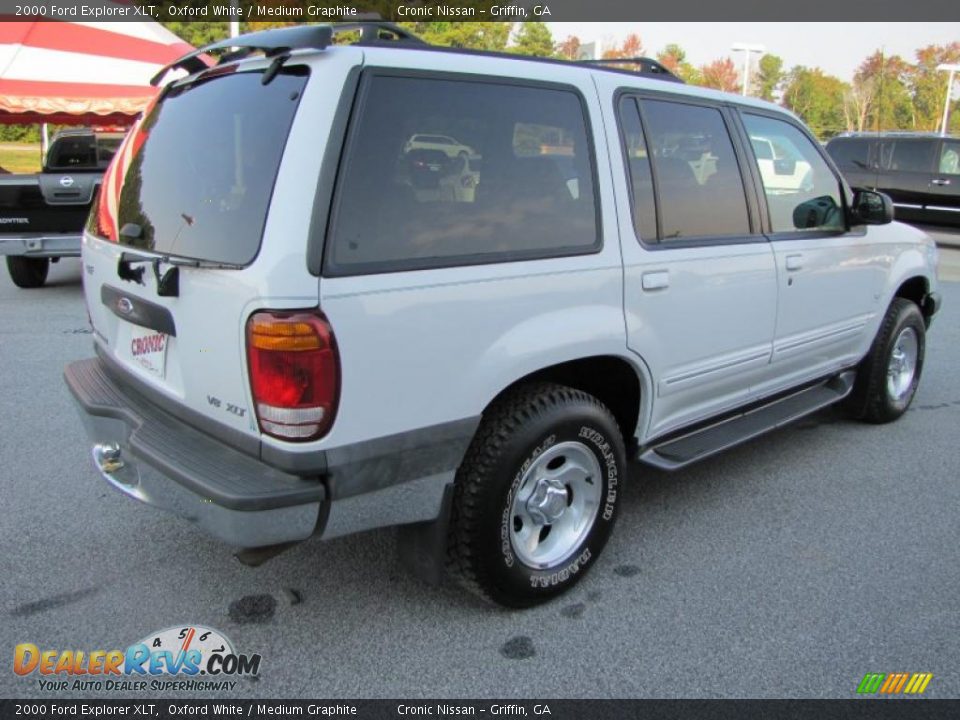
(514, 181)
(695, 170)
(908, 156)
(200, 184)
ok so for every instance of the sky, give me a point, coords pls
(838, 48)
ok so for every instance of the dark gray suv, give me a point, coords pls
(920, 172)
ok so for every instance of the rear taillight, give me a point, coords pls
(294, 373)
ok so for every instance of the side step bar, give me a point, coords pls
(681, 451)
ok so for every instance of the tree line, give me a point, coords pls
(887, 92)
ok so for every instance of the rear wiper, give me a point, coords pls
(168, 282)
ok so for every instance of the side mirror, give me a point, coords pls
(871, 208)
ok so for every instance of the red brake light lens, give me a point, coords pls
(294, 373)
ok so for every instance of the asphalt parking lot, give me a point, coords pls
(788, 567)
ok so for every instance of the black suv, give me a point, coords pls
(920, 172)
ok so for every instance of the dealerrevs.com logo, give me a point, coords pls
(189, 658)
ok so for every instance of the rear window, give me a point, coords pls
(75, 152)
(200, 184)
(516, 182)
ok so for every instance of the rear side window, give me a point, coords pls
(850, 154)
(910, 156)
(514, 179)
(696, 172)
(200, 184)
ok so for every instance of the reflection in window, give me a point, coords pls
(439, 169)
(802, 192)
(950, 159)
(910, 156)
(696, 172)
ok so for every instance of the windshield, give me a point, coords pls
(200, 184)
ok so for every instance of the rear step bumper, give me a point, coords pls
(42, 244)
(149, 455)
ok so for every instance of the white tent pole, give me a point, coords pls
(234, 24)
(44, 142)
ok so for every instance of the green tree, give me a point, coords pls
(817, 98)
(769, 77)
(472, 35)
(20, 133)
(882, 83)
(533, 38)
(928, 86)
(674, 58)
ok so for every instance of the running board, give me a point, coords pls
(680, 451)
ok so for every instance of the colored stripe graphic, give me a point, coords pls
(894, 683)
(870, 683)
(918, 683)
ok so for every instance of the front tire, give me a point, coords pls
(536, 495)
(888, 377)
(28, 272)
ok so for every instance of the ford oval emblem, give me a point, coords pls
(125, 305)
(66, 181)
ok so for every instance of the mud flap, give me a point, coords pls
(422, 547)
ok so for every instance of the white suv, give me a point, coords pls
(293, 339)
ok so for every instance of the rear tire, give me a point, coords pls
(888, 376)
(28, 272)
(536, 496)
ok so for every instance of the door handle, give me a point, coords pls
(655, 280)
(940, 181)
(794, 262)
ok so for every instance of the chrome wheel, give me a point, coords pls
(903, 364)
(555, 505)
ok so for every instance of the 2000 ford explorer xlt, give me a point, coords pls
(308, 322)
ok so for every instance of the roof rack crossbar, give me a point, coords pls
(371, 32)
(647, 66)
(270, 42)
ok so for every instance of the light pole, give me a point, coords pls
(746, 50)
(946, 103)
(234, 24)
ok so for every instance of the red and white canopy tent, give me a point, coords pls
(81, 73)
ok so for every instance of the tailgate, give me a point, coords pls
(178, 251)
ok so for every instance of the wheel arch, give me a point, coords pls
(915, 289)
(614, 380)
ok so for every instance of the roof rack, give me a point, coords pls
(891, 133)
(282, 41)
(278, 43)
(270, 42)
(643, 65)
(373, 33)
